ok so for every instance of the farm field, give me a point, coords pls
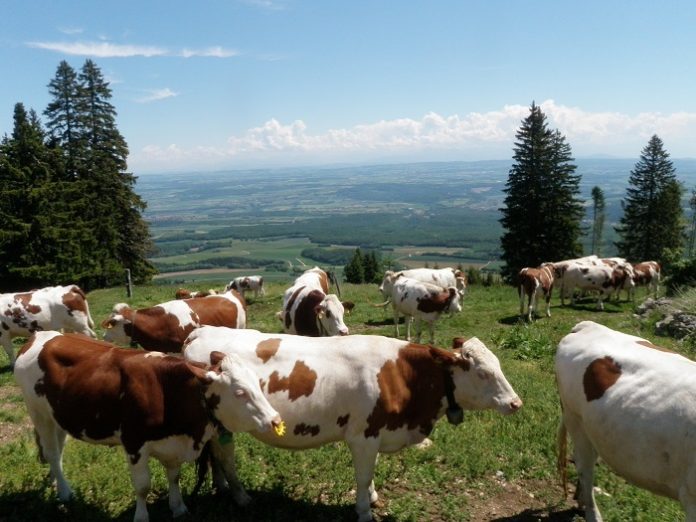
(488, 468)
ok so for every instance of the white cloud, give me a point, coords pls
(215, 52)
(157, 94)
(99, 49)
(271, 5)
(105, 49)
(70, 30)
(477, 135)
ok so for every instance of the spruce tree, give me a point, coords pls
(542, 211)
(354, 271)
(652, 222)
(62, 116)
(372, 273)
(598, 216)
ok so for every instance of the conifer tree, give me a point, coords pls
(652, 222)
(542, 210)
(62, 116)
(597, 220)
(371, 268)
(354, 271)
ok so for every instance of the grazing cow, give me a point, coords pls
(631, 404)
(308, 310)
(600, 278)
(182, 293)
(423, 302)
(647, 274)
(149, 403)
(247, 283)
(378, 394)
(443, 277)
(164, 327)
(50, 308)
(535, 282)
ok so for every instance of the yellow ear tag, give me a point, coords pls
(280, 429)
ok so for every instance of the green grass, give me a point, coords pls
(447, 482)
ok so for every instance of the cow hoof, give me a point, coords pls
(365, 517)
(180, 511)
(241, 498)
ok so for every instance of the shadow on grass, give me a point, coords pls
(384, 322)
(267, 505)
(5, 369)
(544, 515)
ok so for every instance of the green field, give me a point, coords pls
(489, 468)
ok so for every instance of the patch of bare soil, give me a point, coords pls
(522, 501)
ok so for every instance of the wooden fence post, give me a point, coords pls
(129, 284)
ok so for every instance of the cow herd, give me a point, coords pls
(623, 399)
(606, 277)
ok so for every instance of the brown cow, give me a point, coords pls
(647, 274)
(164, 327)
(149, 403)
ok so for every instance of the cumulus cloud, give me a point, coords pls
(156, 95)
(105, 49)
(476, 135)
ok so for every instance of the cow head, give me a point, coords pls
(330, 316)
(388, 281)
(460, 278)
(232, 285)
(242, 405)
(115, 326)
(454, 305)
(479, 381)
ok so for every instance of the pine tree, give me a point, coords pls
(652, 222)
(542, 212)
(597, 220)
(62, 113)
(354, 271)
(372, 272)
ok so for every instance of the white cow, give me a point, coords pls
(443, 277)
(50, 308)
(422, 302)
(632, 404)
(600, 278)
(377, 394)
(246, 284)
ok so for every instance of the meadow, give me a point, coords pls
(488, 468)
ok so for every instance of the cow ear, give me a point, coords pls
(204, 376)
(319, 311)
(458, 342)
(441, 357)
(452, 291)
(216, 358)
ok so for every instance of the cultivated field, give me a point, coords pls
(488, 468)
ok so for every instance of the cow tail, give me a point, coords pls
(203, 463)
(562, 462)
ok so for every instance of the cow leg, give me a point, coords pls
(523, 295)
(364, 453)
(419, 330)
(409, 322)
(51, 437)
(223, 457)
(140, 477)
(547, 296)
(176, 502)
(585, 457)
(431, 327)
(396, 322)
(6, 341)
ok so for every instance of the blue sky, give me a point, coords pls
(212, 85)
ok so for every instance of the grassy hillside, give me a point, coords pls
(489, 468)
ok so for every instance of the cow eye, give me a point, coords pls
(483, 374)
(240, 394)
(328, 313)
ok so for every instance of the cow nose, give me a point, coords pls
(344, 332)
(276, 422)
(515, 404)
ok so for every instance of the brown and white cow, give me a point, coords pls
(423, 302)
(246, 284)
(647, 274)
(183, 293)
(443, 277)
(164, 327)
(533, 283)
(378, 394)
(51, 308)
(151, 404)
(632, 404)
(308, 310)
(600, 278)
